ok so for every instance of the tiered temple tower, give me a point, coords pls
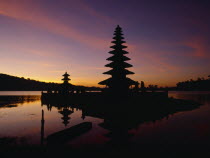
(118, 83)
(66, 78)
(66, 85)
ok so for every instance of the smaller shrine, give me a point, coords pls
(66, 87)
(66, 78)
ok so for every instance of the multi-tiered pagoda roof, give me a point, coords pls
(118, 82)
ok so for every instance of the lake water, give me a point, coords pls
(21, 114)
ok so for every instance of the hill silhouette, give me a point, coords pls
(14, 83)
(8, 82)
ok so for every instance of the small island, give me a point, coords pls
(119, 91)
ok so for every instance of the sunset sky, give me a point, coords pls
(168, 41)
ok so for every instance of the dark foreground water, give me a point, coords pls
(21, 114)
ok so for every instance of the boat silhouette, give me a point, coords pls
(66, 135)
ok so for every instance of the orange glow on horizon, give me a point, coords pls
(42, 43)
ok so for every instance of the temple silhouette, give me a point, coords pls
(118, 85)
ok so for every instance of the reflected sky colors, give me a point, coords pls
(41, 39)
(23, 123)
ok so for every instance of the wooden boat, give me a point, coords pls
(69, 134)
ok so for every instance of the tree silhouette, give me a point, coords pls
(200, 84)
(118, 83)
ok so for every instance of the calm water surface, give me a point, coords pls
(20, 120)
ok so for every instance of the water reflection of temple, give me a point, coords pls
(120, 117)
(118, 121)
(66, 112)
